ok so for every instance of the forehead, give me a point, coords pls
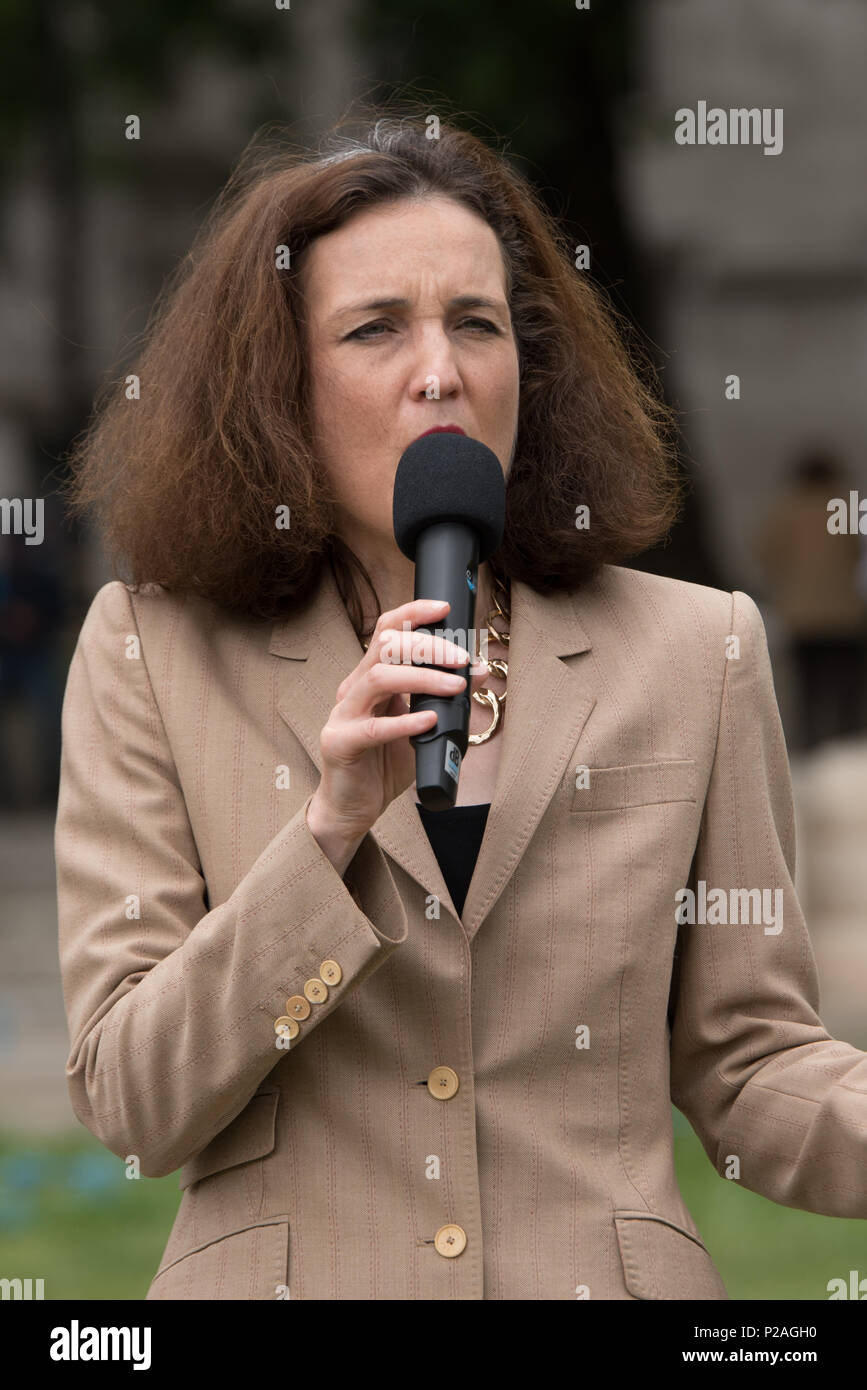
(399, 248)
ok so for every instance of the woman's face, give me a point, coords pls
(372, 368)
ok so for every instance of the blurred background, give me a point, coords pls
(730, 262)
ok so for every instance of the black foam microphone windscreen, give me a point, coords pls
(449, 477)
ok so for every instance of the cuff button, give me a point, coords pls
(330, 972)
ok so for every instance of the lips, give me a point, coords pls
(443, 429)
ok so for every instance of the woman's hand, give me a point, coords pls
(367, 759)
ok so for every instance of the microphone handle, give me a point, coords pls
(446, 567)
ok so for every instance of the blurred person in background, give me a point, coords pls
(812, 579)
(32, 613)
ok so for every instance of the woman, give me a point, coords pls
(374, 1088)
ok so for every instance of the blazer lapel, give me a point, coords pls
(547, 708)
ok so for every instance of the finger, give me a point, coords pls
(416, 612)
(422, 648)
(386, 679)
(479, 674)
(353, 738)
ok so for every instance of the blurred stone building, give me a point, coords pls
(760, 261)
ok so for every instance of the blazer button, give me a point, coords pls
(450, 1240)
(315, 990)
(297, 1006)
(286, 1025)
(442, 1083)
(331, 972)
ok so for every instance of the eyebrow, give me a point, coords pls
(460, 301)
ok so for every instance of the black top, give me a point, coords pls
(456, 837)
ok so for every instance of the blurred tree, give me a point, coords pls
(59, 64)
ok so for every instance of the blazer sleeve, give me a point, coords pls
(171, 1007)
(752, 1066)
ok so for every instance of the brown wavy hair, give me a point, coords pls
(184, 481)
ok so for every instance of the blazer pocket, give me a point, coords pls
(250, 1262)
(663, 1260)
(250, 1135)
(636, 784)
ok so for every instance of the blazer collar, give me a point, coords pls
(545, 714)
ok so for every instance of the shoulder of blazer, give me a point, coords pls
(116, 597)
(156, 608)
(646, 600)
(643, 586)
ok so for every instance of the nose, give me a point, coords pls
(435, 372)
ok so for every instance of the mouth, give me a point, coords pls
(443, 429)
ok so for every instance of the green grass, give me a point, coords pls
(68, 1215)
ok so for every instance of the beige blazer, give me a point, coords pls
(474, 1108)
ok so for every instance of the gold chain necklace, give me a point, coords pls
(500, 600)
(484, 696)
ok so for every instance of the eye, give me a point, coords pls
(364, 332)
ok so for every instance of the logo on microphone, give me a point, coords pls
(453, 759)
(471, 581)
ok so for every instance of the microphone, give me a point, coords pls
(449, 512)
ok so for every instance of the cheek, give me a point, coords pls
(499, 377)
(336, 403)
(367, 468)
(350, 395)
(502, 389)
